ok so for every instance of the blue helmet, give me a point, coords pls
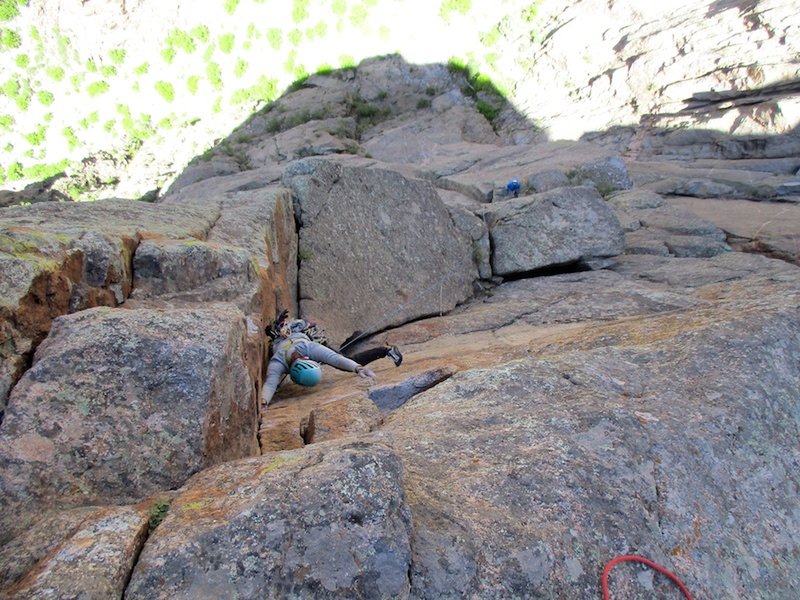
(513, 185)
(306, 372)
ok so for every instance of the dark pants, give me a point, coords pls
(367, 356)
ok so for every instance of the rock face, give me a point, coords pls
(176, 382)
(114, 538)
(361, 230)
(62, 258)
(631, 448)
(544, 419)
(560, 227)
(330, 523)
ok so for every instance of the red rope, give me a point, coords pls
(649, 563)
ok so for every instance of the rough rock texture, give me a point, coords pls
(176, 382)
(94, 562)
(21, 554)
(326, 522)
(256, 224)
(534, 430)
(673, 63)
(762, 227)
(553, 228)
(59, 258)
(555, 462)
(653, 227)
(239, 246)
(400, 257)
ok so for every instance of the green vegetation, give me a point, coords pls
(166, 90)
(72, 139)
(9, 9)
(91, 66)
(346, 61)
(108, 70)
(252, 32)
(529, 14)
(358, 16)
(142, 69)
(181, 40)
(339, 7)
(6, 122)
(117, 56)
(168, 54)
(487, 110)
(18, 91)
(200, 33)
(299, 10)
(295, 37)
(96, 88)
(93, 117)
(45, 98)
(55, 73)
(76, 81)
(158, 513)
(263, 90)
(230, 6)
(304, 253)
(448, 7)
(37, 137)
(137, 130)
(476, 82)
(14, 172)
(240, 68)
(226, 41)
(23, 61)
(275, 38)
(214, 75)
(192, 84)
(490, 38)
(9, 39)
(318, 31)
(423, 103)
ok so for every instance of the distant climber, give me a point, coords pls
(513, 187)
(299, 346)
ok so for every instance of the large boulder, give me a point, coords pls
(375, 249)
(175, 382)
(326, 522)
(554, 228)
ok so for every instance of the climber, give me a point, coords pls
(299, 346)
(513, 187)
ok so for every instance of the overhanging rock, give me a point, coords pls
(375, 249)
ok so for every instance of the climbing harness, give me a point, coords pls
(645, 561)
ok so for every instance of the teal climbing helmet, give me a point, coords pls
(306, 372)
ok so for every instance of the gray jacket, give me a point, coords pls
(282, 350)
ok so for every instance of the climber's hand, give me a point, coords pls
(365, 373)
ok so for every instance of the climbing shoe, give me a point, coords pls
(395, 355)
